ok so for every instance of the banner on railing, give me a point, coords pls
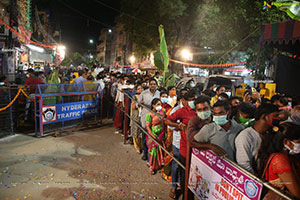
(212, 177)
(69, 111)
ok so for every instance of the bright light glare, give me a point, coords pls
(186, 54)
(91, 41)
(132, 59)
(91, 56)
(61, 50)
(109, 30)
(35, 48)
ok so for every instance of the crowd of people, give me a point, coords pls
(260, 135)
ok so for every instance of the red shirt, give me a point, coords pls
(167, 107)
(184, 115)
(32, 81)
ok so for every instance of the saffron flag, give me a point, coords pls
(163, 48)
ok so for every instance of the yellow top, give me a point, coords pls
(213, 100)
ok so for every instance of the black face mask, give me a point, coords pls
(145, 87)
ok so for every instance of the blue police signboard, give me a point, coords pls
(69, 111)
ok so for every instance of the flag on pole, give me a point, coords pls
(163, 48)
(292, 8)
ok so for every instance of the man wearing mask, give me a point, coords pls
(164, 100)
(146, 98)
(221, 132)
(220, 90)
(183, 115)
(190, 84)
(245, 115)
(248, 142)
(203, 117)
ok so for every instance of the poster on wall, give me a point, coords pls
(213, 178)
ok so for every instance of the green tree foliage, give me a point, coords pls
(222, 25)
(78, 59)
(179, 17)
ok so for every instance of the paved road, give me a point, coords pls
(90, 164)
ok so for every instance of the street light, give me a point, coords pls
(109, 30)
(132, 59)
(91, 41)
(61, 51)
(186, 54)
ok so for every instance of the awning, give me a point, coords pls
(284, 36)
(283, 32)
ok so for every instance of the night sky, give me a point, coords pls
(76, 28)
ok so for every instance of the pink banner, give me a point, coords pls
(212, 177)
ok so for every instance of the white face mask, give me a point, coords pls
(181, 105)
(295, 150)
(158, 108)
(228, 94)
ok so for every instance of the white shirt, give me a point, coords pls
(102, 84)
(120, 95)
(176, 134)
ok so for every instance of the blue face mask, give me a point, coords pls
(191, 104)
(164, 99)
(220, 120)
(192, 84)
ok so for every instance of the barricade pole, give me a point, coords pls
(10, 113)
(153, 139)
(101, 106)
(126, 114)
(187, 193)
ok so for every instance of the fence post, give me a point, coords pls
(126, 112)
(187, 193)
(101, 107)
(10, 112)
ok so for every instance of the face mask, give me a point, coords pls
(204, 115)
(244, 120)
(164, 99)
(192, 84)
(131, 86)
(158, 108)
(191, 104)
(295, 150)
(228, 94)
(181, 105)
(295, 116)
(274, 121)
(220, 120)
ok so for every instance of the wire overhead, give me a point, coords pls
(117, 10)
(90, 18)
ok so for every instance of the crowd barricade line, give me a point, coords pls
(145, 131)
(187, 192)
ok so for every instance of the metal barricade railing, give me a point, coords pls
(15, 116)
(62, 106)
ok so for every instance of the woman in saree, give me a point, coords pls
(156, 129)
